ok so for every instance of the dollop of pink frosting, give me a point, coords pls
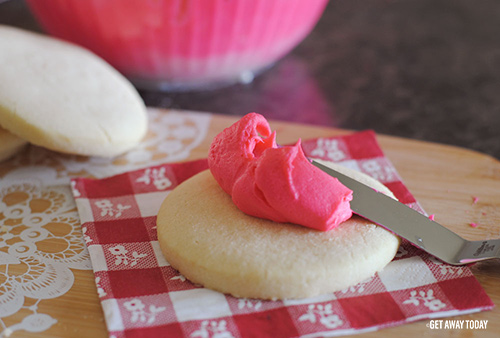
(275, 183)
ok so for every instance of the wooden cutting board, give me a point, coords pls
(443, 179)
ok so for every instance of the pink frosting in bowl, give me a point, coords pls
(180, 44)
(273, 182)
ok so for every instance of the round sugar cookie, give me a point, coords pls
(10, 144)
(211, 242)
(63, 97)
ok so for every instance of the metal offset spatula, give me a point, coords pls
(414, 226)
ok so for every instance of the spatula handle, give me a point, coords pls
(480, 250)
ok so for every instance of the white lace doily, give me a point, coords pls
(41, 240)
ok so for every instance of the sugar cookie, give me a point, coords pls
(211, 242)
(9, 144)
(63, 97)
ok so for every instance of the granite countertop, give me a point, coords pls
(420, 69)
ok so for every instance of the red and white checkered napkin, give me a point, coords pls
(142, 296)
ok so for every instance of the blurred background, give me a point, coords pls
(420, 69)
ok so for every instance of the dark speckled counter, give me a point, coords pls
(421, 69)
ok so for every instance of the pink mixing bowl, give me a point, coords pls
(182, 44)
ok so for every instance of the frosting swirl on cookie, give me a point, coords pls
(273, 182)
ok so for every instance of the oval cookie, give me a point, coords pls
(63, 97)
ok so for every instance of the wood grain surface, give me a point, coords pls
(443, 179)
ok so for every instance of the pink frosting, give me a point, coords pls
(276, 183)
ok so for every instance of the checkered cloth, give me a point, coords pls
(142, 296)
